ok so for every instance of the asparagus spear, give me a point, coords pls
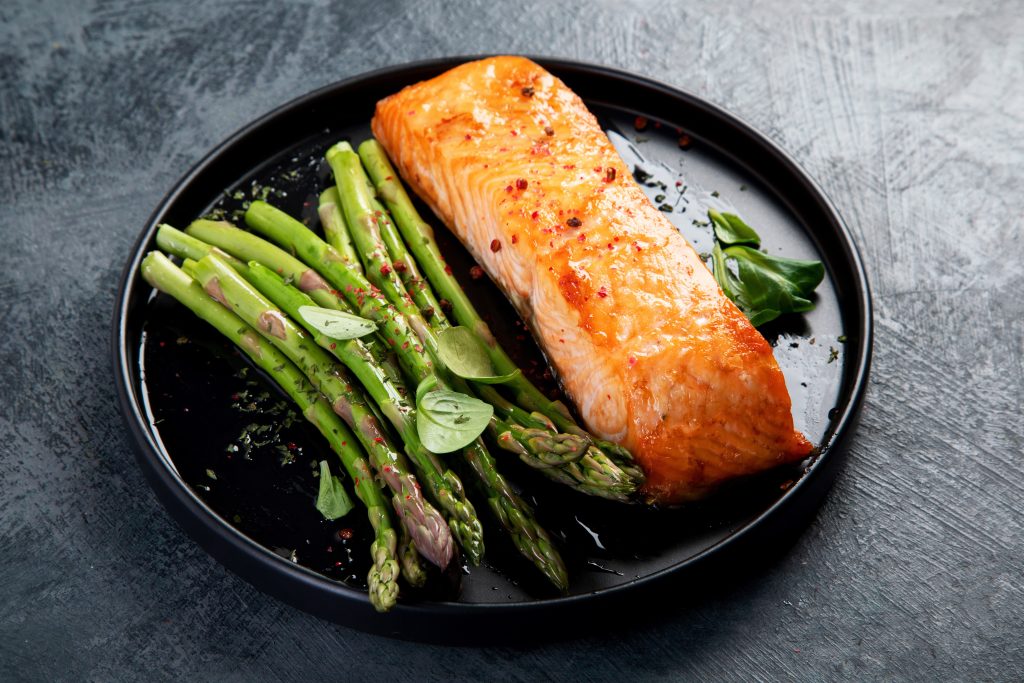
(514, 514)
(335, 229)
(420, 239)
(245, 247)
(442, 484)
(423, 522)
(158, 270)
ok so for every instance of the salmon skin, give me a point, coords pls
(646, 345)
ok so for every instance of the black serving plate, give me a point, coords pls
(213, 439)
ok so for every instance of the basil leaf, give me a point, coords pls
(336, 324)
(464, 354)
(333, 500)
(768, 286)
(730, 229)
(447, 420)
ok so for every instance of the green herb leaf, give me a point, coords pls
(730, 229)
(768, 286)
(447, 420)
(337, 324)
(333, 500)
(464, 354)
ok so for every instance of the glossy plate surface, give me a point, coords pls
(216, 442)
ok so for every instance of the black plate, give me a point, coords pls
(182, 390)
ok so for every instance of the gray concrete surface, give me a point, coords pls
(908, 113)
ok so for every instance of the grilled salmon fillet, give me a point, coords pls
(646, 345)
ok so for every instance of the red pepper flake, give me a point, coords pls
(163, 344)
(549, 131)
(405, 345)
(640, 123)
(632, 360)
(508, 188)
(597, 169)
(515, 238)
(609, 175)
(602, 292)
(380, 439)
(535, 215)
(476, 272)
(521, 184)
(292, 446)
(234, 397)
(385, 269)
(447, 269)
(515, 132)
(399, 266)
(528, 91)
(609, 245)
(582, 237)
(574, 222)
(345, 534)
(411, 112)
(637, 246)
(569, 167)
(495, 246)
(333, 346)
(685, 141)
(468, 136)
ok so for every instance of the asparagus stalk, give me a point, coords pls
(158, 270)
(420, 238)
(413, 571)
(442, 484)
(335, 229)
(245, 247)
(514, 514)
(420, 518)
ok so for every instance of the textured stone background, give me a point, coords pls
(909, 114)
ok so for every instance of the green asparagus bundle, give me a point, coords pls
(420, 367)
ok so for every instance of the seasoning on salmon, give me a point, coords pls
(652, 353)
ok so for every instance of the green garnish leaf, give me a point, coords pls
(447, 420)
(337, 324)
(333, 500)
(730, 229)
(764, 286)
(464, 354)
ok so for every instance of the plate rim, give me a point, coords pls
(172, 490)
